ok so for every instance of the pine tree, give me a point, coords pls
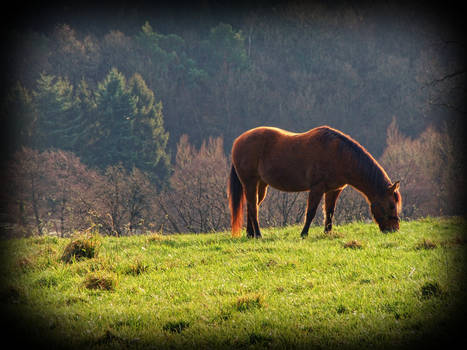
(148, 130)
(124, 126)
(58, 123)
(115, 111)
(85, 102)
(19, 124)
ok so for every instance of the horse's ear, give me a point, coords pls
(394, 187)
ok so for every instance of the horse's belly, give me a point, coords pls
(284, 178)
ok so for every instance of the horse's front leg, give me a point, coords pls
(314, 197)
(330, 199)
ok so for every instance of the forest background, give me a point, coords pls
(122, 117)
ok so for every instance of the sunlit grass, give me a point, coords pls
(354, 286)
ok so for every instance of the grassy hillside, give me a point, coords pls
(355, 287)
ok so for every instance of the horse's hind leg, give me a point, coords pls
(262, 190)
(314, 197)
(330, 199)
(252, 209)
(250, 232)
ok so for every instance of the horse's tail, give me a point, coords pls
(236, 202)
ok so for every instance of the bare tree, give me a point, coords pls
(121, 201)
(67, 178)
(429, 170)
(27, 172)
(47, 190)
(197, 200)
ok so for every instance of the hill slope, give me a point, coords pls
(355, 288)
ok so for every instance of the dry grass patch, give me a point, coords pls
(426, 244)
(85, 247)
(137, 267)
(155, 237)
(250, 301)
(353, 244)
(100, 280)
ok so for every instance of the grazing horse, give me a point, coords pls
(321, 161)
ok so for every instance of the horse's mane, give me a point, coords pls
(363, 160)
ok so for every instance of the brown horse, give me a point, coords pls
(321, 161)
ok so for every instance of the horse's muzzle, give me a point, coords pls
(391, 225)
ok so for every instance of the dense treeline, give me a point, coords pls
(120, 95)
(296, 66)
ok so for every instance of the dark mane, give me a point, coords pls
(364, 161)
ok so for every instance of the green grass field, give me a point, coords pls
(354, 288)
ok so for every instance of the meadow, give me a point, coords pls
(352, 288)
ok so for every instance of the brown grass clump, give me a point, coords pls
(100, 281)
(81, 248)
(250, 301)
(353, 244)
(25, 264)
(426, 244)
(136, 268)
(156, 236)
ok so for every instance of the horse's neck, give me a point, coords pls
(370, 180)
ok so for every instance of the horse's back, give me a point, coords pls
(262, 133)
(270, 154)
(268, 138)
(254, 142)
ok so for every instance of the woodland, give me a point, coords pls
(123, 118)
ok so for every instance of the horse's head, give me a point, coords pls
(386, 209)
